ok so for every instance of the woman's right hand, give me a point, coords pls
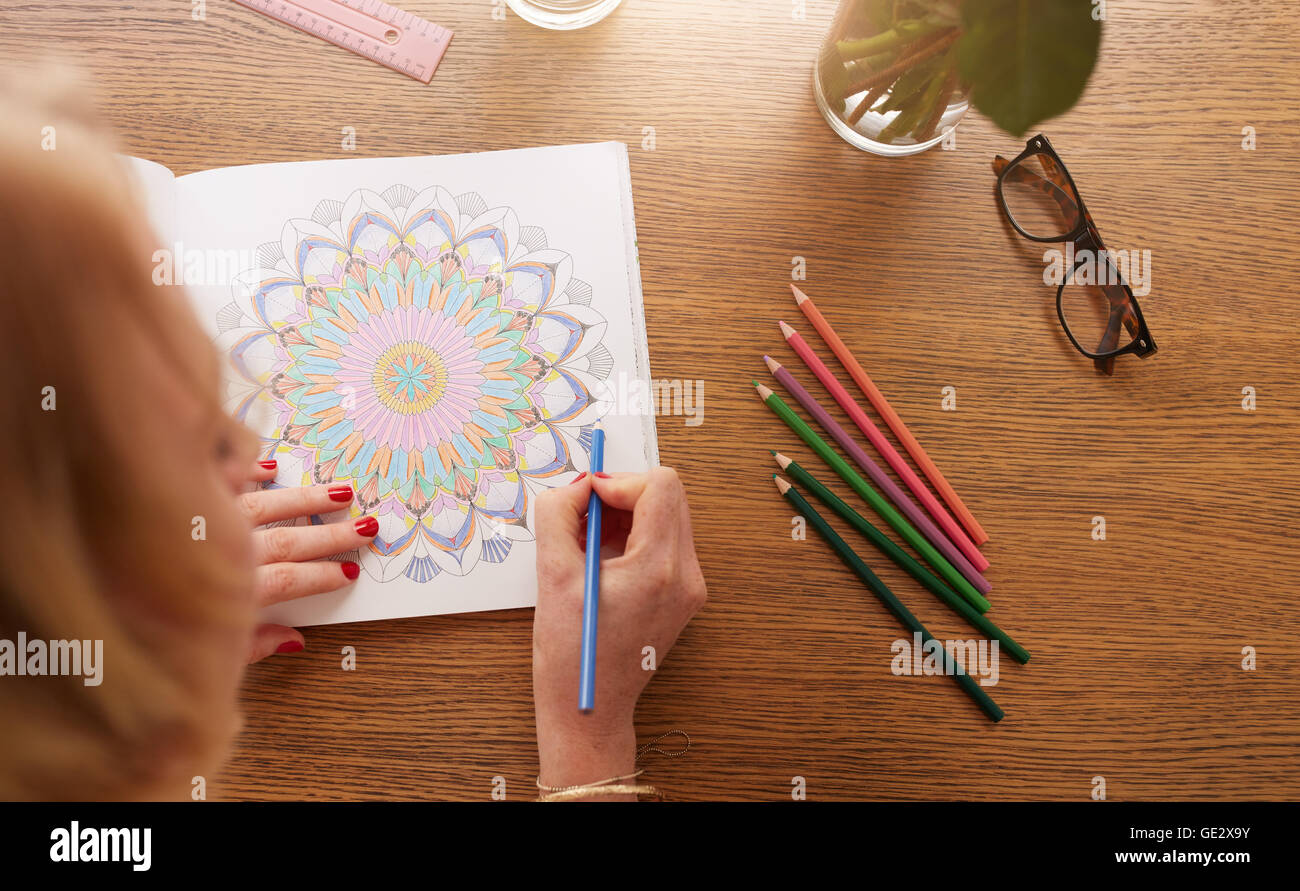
(650, 586)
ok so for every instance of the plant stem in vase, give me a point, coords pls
(887, 77)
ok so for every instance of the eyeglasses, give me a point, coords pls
(1098, 309)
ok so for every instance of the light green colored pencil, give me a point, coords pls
(882, 541)
(873, 498)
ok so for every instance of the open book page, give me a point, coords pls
(156, 187)
(439, 333)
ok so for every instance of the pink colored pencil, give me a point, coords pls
(878, 476)
(886, 449)
(886, 411)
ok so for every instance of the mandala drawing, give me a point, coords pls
(432, 353)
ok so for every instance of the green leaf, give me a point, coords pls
(1027, 60)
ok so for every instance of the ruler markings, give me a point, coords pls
(363, 27)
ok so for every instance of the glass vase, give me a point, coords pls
(563, 15)
(886, 77)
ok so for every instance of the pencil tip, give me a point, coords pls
(781, 459)
(786, 330)
(763, 392)
(799, 296)
(781, 485)
(772, 364)
(599, 425)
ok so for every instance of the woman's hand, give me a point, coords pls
(289, 558)
(650, 586)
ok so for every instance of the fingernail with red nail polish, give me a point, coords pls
(266, 465)
(340, 493)
(602, 475)
(289, 646)
(367, 526)
(351, 570)
(578, 478)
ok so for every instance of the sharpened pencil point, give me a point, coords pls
(799, 296)
(598, 425)
(781, 459)
(786, 331)
(772, 364)
(781, 485)
(763, 392)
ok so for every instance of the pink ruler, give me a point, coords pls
(386, 34)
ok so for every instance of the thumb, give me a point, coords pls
(559, 519)
(270, 639)
(621, 490)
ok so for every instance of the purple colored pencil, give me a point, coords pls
(883, 481)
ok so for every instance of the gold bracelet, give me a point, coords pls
(612, 786)
(574, 792)
(630, 776)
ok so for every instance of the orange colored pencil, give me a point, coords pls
(886, 411)
(951, 528)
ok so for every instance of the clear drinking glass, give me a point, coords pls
(563, 15)
(886, 77)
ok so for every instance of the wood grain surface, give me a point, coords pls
(1137, 640)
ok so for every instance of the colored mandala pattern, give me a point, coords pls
(430, 352)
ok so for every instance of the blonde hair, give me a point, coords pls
(99, 544)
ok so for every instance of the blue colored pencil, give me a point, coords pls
(591, 594)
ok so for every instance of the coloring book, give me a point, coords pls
(440, 333)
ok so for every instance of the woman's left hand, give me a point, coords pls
(290, 559)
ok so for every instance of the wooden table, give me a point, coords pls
(1137, 639)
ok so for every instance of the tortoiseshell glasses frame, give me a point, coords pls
(1055, 182)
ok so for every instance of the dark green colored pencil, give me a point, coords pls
(877, 501)
(902, 558)
(892, 603)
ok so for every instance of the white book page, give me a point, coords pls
(502, 307)
(156, 187)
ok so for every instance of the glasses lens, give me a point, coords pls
(1098, 311)
(1039, 197)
